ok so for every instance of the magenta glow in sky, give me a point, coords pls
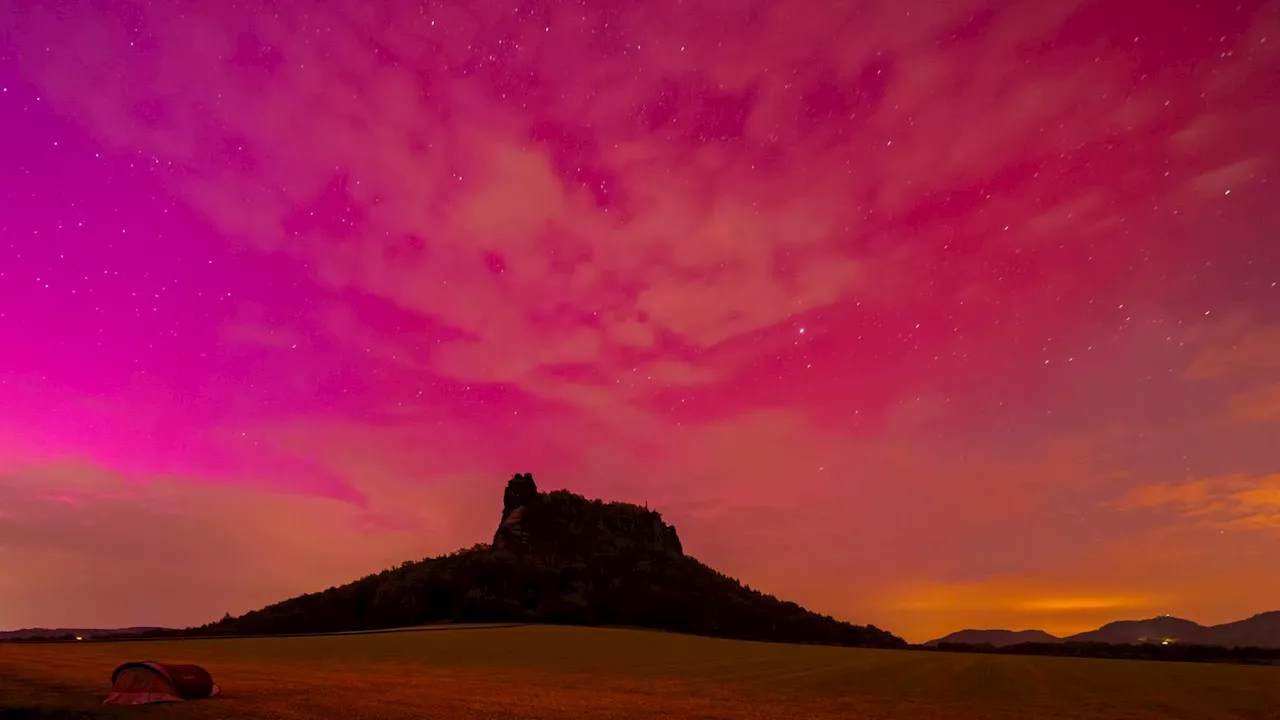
(931, 315)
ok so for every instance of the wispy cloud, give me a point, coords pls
(1239, 502)
(1234, 349)
(594, 231)
(1019, 603)
(212, 548)
(1260, 404)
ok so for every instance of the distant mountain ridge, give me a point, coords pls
(40, 633)
(558, 557)
(1261, 630)
(996, 638)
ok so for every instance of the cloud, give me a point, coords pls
(1220, 181)
(1261, 404)
(1236, 348)
(263, 335)
(1239, 353)
(1024, 602)
(586, 191)
(1235, 502)
(118, 550)
(1014, 594)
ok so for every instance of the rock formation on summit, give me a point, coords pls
(521, 493)
(565, 525)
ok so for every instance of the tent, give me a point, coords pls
(138, 683)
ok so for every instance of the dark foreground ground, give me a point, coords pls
(535, 672)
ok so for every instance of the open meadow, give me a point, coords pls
(575, 672)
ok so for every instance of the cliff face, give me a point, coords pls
(568, 526)
(521, 494)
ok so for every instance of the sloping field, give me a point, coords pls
(569, 672)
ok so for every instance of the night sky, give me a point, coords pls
(930, 314)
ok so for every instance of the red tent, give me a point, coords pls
(138, 683)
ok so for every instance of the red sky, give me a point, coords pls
(928, 314)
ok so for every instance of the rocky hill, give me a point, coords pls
(561, 558)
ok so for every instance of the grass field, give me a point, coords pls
(568, 672)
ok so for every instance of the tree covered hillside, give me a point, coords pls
(559, 558)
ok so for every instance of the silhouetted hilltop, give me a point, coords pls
(72, 633)
(1153, 630)
(1260, 631)
(996, 638)
(560, 558)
